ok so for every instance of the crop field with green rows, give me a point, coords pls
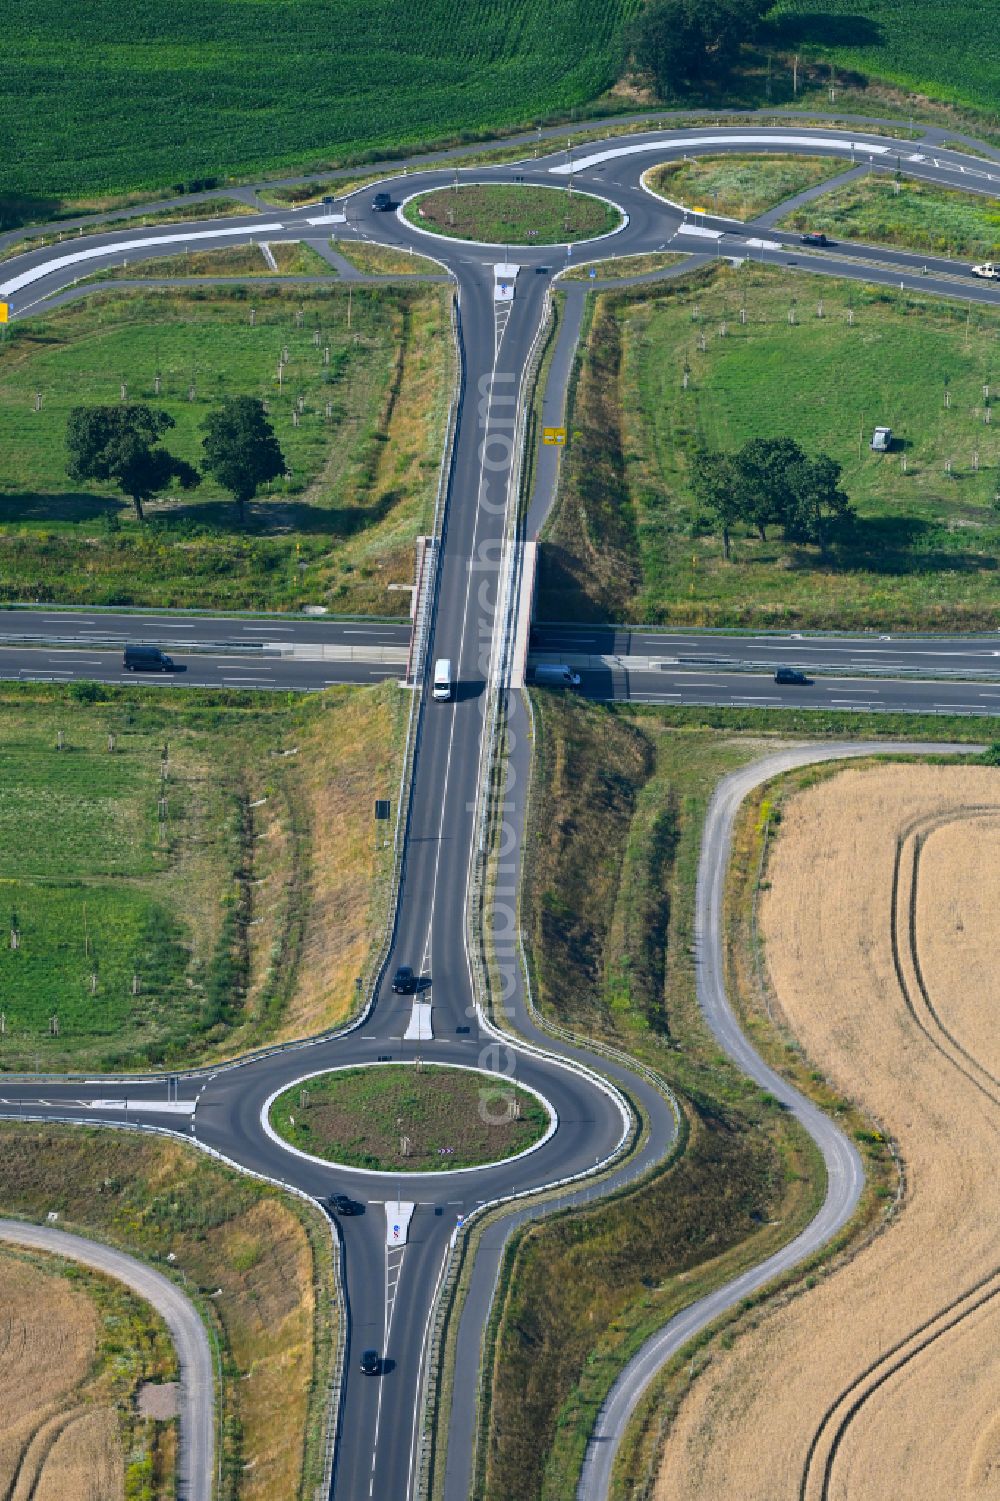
(946, 49)
(118, 94)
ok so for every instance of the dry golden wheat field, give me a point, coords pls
(55, 1444)
(883, 1380)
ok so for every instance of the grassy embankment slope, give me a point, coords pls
(258, 1264)
(363, 458)
(77, 1350)
(171, 909)
(817, 360)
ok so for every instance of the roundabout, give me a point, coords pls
(409, 1118)
(513, 214)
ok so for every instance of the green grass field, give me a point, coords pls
(628, 541)
(914, 214)
(364, 456)
(505, 214)
(133, 931)
(740, 186)
(137, 95)
(449, 1118)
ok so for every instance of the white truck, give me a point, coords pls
(988, 271)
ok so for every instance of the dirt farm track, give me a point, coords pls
(883, 1380)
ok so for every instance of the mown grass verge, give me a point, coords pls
(386, 260)
(624, 266)
(258, 1264)
(357, 384)
(292, 258)
(207, 885)
(629, 540)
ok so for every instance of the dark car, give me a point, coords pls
(341, 1204)
(371, 1364)
(791, 675)
(382, 202)
(816, 237)
(147, 659)
(404, 981)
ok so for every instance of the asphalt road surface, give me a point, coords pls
(196, 1450)
(390, 1287)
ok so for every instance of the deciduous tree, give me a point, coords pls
(241, 450)
(120, 445)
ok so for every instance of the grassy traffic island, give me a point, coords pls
(509, 214)
(410, 1118)
(740, 186)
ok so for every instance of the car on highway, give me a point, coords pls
(147, 659)
(556, 675)
(341, 1204)
(815, 237)
(371, 1362)
(791, 675)
(382, 202)
(988, 271)
(404, 981)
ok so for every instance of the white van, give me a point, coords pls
(442, 679)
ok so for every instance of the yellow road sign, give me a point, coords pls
(4, 312)
(554, 436)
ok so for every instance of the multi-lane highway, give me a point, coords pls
(394, 1255)
(209, 651)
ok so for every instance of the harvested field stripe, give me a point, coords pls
(904, 901)
(884, 1369)
(919, 840)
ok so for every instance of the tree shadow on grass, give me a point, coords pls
(26, 208)
(825, 29)
(897, 545)
(72, 507)
(273, 516)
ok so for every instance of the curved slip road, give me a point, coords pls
(844, 1170)
(390, 1290)
(196, 1450)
